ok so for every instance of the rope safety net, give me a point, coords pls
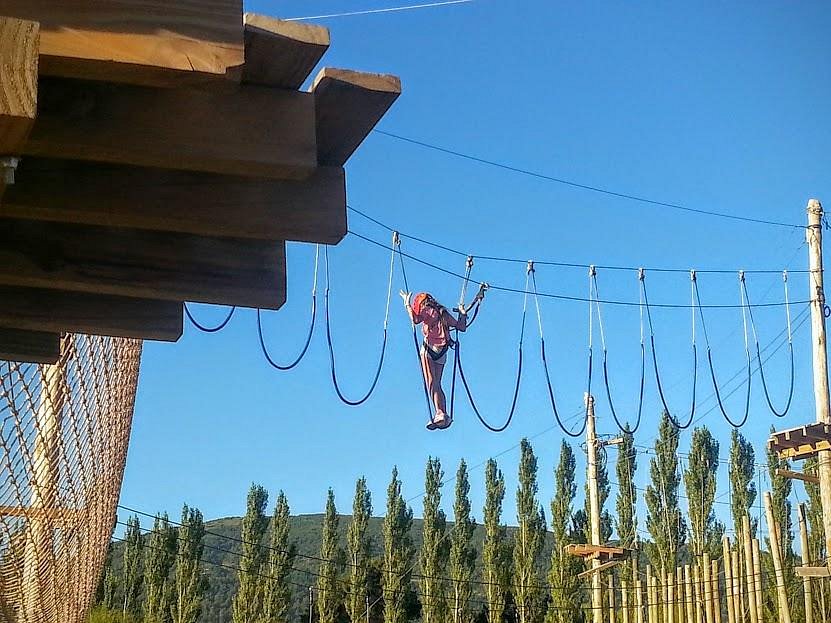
(64, 431)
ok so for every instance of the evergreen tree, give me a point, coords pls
(329, 596)
(359, 546)
(110, 589)
(398, 553)
(528, 539)
(189, 581)
(434, 547)
(161, 554)
(564, 605)
(131, 571)
(248, 601)
(627, 496)
(664, 520)
(495, 549)
(700, 484)
(462, 552)
(742, 469)
(281, 555)
(603, 490)
(816, 540)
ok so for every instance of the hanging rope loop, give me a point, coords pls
(215, 328)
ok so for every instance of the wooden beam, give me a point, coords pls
(18, 82)
(797, 476)
(585, 549)
(142, 264)
(29, 512)
(74, 191)
(348, 105)
(255, 131)
(29, 346)
(279, 53)
(813, 572)
(150, 42)
(598, 569)
(57, 311)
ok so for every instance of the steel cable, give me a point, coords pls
(205, 329)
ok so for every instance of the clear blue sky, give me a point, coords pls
(716, 106)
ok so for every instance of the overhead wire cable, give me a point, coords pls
(787, 407)
(624, 429)
(374, 384)
(205, 328)
(395, 9)
(308, 340)
(589, 187)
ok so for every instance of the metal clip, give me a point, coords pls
(530, 268)
(741, 276)
(469, 262)
(396, 239)
(641, 274)
(785, 276)
(692, 275)
(592, 271)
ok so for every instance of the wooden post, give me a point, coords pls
(611, 598)
(664, 590)
(757, 580)
(639, 601)
(728, 578)
(738, 602)
(650, 612)
(748, 570)
(716, 592)
(776, 553)
(806, 560)
(679, 594)
(818, 339)
(699, 597)
(689, 605)
(594, 507)
(670, 606)
(708, 587)
(624, 601)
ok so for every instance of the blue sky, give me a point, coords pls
(714, 106)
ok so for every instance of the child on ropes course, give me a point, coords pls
(436, 323)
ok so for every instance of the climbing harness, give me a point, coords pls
(773, 410)
(457, 364)
(595, 294)
(744, 307)
(205, 329)
(308, 341)
(696, 302)
(365, 397)
(579, 433)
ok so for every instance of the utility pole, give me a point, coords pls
(594, 507)
(820, 352)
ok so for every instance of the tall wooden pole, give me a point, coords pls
(728, 578)
(639, 601)
(776, 552)
(748, 570)
(688, 589)
(806, 560)
(821, 397)
(594, 507)
(664, 591)
(611, 598)
(757, 580)
(699, 596)
(624, 600)
(708, 587)
(679, 594)
(716, 591)
(738, 602)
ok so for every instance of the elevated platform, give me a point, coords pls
(802, 442)
(605, 553)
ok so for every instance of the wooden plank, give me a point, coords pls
(66, 514)
(255, 131)
(29, 346)
(150, 42)
(606, 565)
(142, 264)
(585, 549)
(797, 476)
(279, 53)
(813, 572)
(74, 191)
(349, 104)
(18, 82)
(57, 311)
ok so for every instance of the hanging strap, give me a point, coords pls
(740, 423)
(625, 429)
(365, 397)
(645, 305)
(773, 409)
(308, 341)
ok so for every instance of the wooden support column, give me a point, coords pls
(806, 561)
(757, 580)
(680, 596)
(624, 601)
(612, 608)
(776, 553)
(716, 591)
(670, 593)
(594, 507)
(650, 601)
(639, 601)
(708, 587)
(29, 346)
(699, 594)
(728, 578)
(820, 356)
(748, 569)
(690, 601)
(738, 602)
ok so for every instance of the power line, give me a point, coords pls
(409, 7)
(597, 189)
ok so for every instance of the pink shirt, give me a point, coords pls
(437, 324)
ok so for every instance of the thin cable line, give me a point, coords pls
(573, 184)
(409, 7)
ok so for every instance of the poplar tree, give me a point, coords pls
(700, 484)
(161, 554)
(627, 497)
(248, 601)
(398, 553)
(281, 555)
(131, 576)
(110, 588)
(564, 605)
(816, 539)
(742, 469)
(495, 548)
(359, 546)
(329, 592)
(190, 584)
(781, 506)
(434, 547)
(528, 538)
(462, 551)
(664, 519)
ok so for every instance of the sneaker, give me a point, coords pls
(444, 423)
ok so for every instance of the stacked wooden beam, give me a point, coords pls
(162, 152)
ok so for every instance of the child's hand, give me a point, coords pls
(405, 296)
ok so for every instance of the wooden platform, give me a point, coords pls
(802, 442)
(605, 553)
(167, 154)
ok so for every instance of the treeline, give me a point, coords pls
(506, 575)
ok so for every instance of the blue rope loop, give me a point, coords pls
(214, 329)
